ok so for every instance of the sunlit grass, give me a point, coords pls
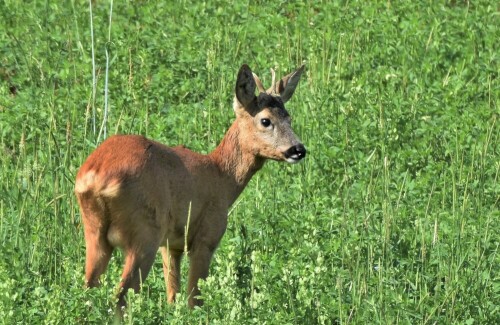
(391, 218)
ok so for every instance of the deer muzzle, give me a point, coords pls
(295, 153)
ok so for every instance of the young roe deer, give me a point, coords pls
(139, 195)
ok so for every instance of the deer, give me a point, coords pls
(141, 196)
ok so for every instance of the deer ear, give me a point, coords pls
(286, 86)
(245, 87)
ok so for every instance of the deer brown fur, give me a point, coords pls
(137, 194)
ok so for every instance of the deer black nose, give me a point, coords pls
(295, 153)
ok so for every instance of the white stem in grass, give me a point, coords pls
(103, 129)
(93, 68)
(106, 88)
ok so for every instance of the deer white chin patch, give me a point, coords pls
(294, 159)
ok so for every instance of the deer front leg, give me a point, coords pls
(202, 248)
(171, 271)
(199, 260)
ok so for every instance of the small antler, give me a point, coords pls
(258, 83)
(273, 84)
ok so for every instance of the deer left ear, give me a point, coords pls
(286, 86)
(245, 86)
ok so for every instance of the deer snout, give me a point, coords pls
(295, 153)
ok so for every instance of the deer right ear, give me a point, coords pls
(245, 87)
(286, 86)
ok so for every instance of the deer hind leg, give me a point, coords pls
(138, 262)
(98, 249)
(172, 272)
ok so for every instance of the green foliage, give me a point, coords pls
(391, 218)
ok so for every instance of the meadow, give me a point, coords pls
(392, 218)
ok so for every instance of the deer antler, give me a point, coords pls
(273, 84)
(258, 83)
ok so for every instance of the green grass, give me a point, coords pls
(392, 218)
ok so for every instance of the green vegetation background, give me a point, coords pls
(391, 219)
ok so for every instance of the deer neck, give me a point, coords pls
(235, 159)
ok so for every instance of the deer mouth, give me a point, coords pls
(295, 154)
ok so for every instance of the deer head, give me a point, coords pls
(265, 123)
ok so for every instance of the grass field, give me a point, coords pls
(393, 217)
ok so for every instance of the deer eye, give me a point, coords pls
(265, 122)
